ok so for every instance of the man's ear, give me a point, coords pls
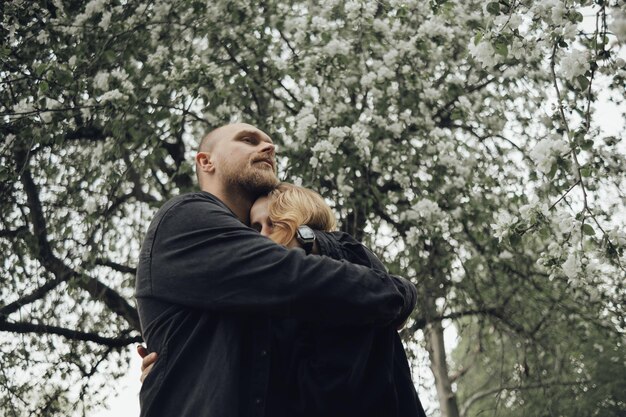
(205, 162)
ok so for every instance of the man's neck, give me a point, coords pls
(235, 199)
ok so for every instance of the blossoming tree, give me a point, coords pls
(463, 141)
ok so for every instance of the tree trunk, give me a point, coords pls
(439, 367)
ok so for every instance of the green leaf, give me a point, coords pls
(43, 86)
(585, 172)
(63, 76)
(610, 140)
(4, 173)
(477, 38)
(502, 48)
(40, 69)
(134, 133)
(575, 17)
(456, 114)
(109, 56)
(588, 230)
(583, 82)
(586, 144)
(515, 239)
(493, 7)
(553, 170)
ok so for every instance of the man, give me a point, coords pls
(208, 286)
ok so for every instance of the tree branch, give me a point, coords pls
(13, 233)
(485, 393)
(22, 327)
(33, 296)
(116, 266)
(62, 272)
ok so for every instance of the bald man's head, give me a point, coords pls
(209, 140)
(232, 152)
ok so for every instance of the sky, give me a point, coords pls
(126, 403)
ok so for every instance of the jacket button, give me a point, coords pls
(258, 401)
(264, 352)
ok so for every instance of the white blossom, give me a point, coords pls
(90, 206)
(571, 266)
(43, 37)
(545, 152)
(425, 209)
(484, 53)
(324, 146)
(384, 73)
(390, 57)
(503, 221)
(557, 13)
(160, 10)
(368, 79)
(566, 222)
(517, 49)
(395, 128)
(342, 185)
(9, 139)
(360, 135)
(112, 96)
(120, 74)
(156, 89)
(305, 121)
(92, 8)
(101, 80)
(574, 64)
(430, 93)
(46, 116)
(570, 31)
(515, 21)
(105, 21)
(412, 236)
(24, 106)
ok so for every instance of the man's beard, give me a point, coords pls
(250, 179)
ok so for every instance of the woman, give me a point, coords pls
(339, 371)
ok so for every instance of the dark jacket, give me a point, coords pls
(207, 288)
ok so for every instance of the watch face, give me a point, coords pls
(306, 232)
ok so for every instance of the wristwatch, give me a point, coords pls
(306, 237)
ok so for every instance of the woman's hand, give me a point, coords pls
(148, 361)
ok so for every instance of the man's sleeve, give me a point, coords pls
(342, 246)
(202, 257)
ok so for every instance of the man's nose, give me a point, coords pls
(268, 148)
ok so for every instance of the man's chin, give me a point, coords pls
(262, 182)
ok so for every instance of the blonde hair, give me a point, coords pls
(291, 206)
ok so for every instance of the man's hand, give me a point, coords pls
(147, 363)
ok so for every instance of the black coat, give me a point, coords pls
(208, 289)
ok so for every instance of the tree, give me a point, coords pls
(459, 139)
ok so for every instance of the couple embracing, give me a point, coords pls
(255, 307)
